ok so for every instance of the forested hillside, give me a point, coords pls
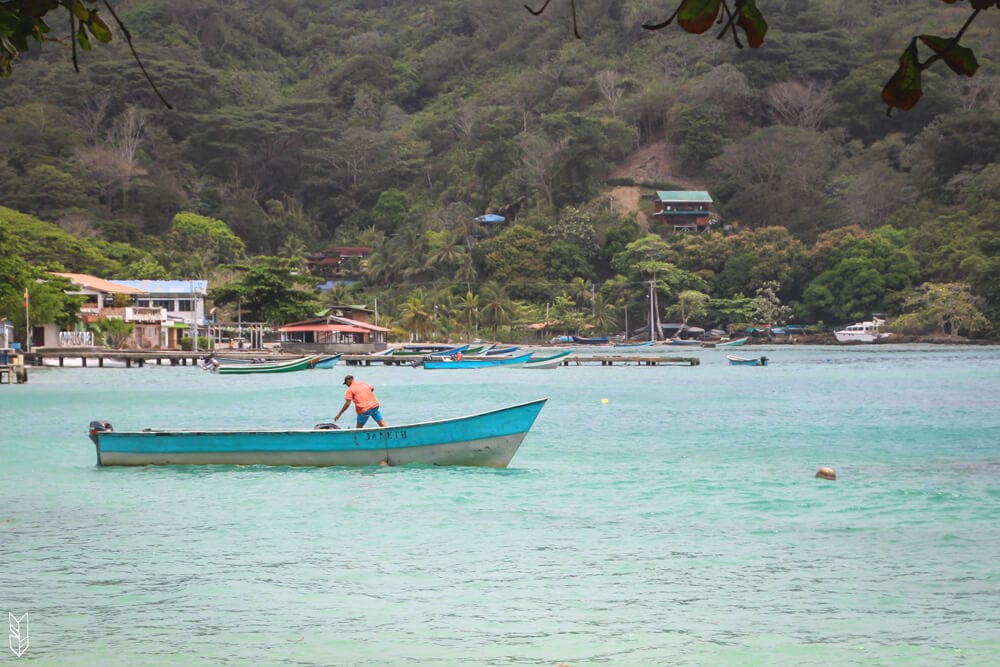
(302, 124)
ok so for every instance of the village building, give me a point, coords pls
(347, 329)
(338, 262)
(161, 311)
(183, 303)
(683, 211)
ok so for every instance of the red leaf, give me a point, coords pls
(904, 89)
(697, 16)
(753, 23)
(960, 59)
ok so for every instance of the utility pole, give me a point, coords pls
(194, 318)
(652, 334)
(27, 320)
(239, 319)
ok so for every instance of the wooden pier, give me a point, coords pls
(571, 360)
(95, 358)
(629, 360)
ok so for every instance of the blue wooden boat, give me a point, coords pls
(486, 439)
(733, 343)
(478, 362)
(494, 351)
(597, 340)
(647, 343)
(421, 349)
(328, 361)
(450, 352)
(746, 361)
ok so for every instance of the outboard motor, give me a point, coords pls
(99, 427)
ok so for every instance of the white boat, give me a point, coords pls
(552, 361)
(861, 332)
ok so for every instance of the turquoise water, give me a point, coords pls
(679, 523)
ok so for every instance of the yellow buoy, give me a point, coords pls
(604, 400)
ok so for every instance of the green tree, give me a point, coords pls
(516, 257)
(270, 290)
(950, 308)
(446, 253)
(860, 273)
(497, 309)
(392, 210)
(690, 304)
(767, 306)
(469, 313)
(565, 261)
(113, 332)
(417, 314)
(191, 232)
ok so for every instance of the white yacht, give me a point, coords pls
(862, 332)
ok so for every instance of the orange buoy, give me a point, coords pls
(826, 473)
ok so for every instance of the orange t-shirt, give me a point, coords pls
(363, 396)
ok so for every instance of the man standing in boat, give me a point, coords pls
(362, 395)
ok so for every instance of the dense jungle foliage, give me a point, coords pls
(297, 125)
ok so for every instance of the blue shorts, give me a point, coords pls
(373, 413)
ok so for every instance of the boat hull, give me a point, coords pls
(861, 332)
(489, 439)
(327, 362)
(481, 362)
(284, 367)
(551, 361)
(733, 343)
(747, 361)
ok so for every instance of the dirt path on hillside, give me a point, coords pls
(650, 164)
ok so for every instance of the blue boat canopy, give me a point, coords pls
(491, 218)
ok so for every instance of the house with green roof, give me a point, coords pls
(683, 210)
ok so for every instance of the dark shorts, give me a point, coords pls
(373, 413)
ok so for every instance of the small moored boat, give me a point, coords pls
(746, 361)
(477, 362)
(299, 364)
(487, 439)
(551, 361)
(645, 343)
(596, 340)
(328, 361)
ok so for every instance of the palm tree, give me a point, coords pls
(445, 312)
(468, 312)
(579, 292)
(605, 317)
(340, 294)
(497, 309)
(415, 314)
(466, 272)
(294, 248)
(446, 250)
